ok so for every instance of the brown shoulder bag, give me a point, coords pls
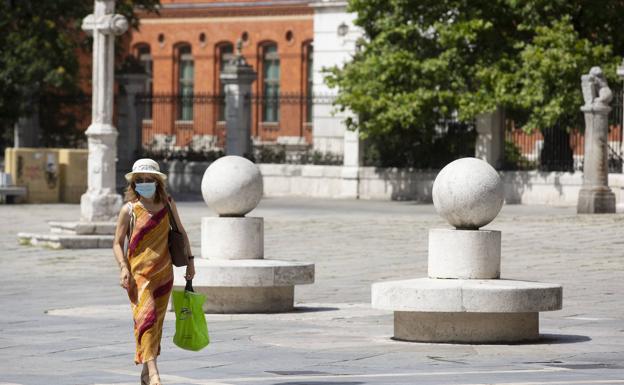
(177, 244)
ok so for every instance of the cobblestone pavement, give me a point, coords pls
(64, 320)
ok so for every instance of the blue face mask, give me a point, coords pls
(146, 190)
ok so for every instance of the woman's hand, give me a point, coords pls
(124, 278)
(190, 270)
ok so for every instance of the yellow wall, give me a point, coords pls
(73, 166)
(50, 175)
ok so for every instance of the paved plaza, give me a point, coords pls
(65, 320)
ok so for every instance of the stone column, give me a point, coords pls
(490, 145)
(620, 72)
(130, 119)
(352, 160)
(237, 77)
(101, 202)
(595, 195)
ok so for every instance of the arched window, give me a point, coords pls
(144, 57)
(226, 53)
(309, 62)
(185, 83)
(270, 83)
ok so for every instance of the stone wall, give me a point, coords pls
(521, 187)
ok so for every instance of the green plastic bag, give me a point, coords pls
(191, 329)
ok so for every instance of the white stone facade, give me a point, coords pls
(335, 38)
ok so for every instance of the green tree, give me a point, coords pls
(422, 61)
(39, 46)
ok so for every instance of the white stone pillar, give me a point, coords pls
(490, 145)
(101, 202)
(237, 77)
(352, 160)
(620, 72)
(335, 37)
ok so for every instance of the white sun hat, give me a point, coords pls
(145, 166)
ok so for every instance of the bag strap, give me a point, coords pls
(172, 222)
(132, 220)
(189, 285)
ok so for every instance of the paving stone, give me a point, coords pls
(66, 321)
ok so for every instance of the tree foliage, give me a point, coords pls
(422, 61)
(39, 45)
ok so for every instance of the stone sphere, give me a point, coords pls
(468, 193)
(232, 186)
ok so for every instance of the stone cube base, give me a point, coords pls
(466, 327)
(596, 201)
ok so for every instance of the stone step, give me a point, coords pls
(66, 241)
(83, 228)
(466, 295)
(248, 273)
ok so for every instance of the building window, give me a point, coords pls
(309, 81)
(270, 84)
(185, 83)
(145, 58)
(225, 55)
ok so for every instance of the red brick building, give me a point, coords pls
(184, 50)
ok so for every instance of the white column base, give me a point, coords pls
(96, 206)
(465, 254)
(232, 238)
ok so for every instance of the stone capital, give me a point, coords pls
(239, 75)
(105, 24)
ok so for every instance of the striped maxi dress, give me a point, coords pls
(152, 270)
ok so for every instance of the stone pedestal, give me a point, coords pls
(462, 300)
(232, 271)
(478, 257)
(595, 196)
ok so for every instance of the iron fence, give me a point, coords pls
(197, 122)
(560, 149)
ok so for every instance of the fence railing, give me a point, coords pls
(560, 149)
(197, 121)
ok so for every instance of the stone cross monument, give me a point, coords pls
(100, 205)
(237, 77)
(595, 195)
(101, 202)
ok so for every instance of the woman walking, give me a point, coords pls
(146, 268)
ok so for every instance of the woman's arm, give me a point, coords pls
(190, 268)
(121, 231)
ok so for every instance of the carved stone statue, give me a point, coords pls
(595, 195)
(596, 91)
